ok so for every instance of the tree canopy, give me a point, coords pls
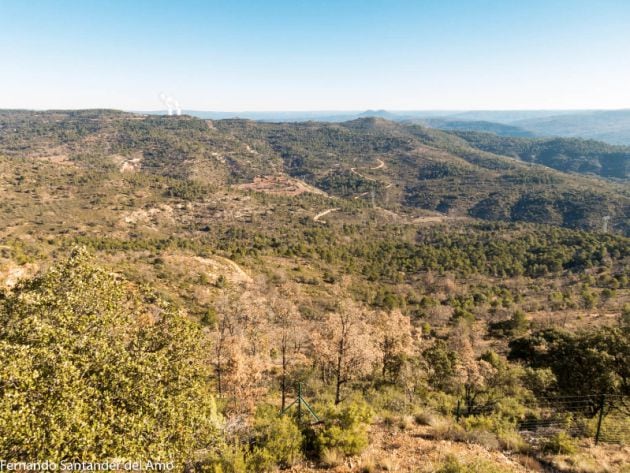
(91, 369)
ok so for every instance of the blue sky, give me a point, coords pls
(315, 55)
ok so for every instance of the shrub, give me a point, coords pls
(424, 418)
(331, 457)
(388, 464)
(389, 420)
(261, 460)
(494, 423)
(493, 432)
(345, 429)
(485, 438)
(447, 430)
(442, 402)
(451, 465)
(510, 410)
(530, 463)
(228, 459)
(388, 398)
(560, 444)
(405, 423)
(512, 441)
(368, 465)
(277, 437)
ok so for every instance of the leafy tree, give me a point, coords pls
(585, 363)
(441, 363)
(89, 369)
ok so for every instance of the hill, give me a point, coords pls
(565, 154)
(611, 126)
(403, 168)
(475, 125)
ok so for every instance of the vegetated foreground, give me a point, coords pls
(169, 282)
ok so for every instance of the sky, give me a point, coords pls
(268, 55)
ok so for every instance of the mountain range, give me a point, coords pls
(404, 168)
(610, 126)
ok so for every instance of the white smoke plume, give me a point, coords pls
(171, 104)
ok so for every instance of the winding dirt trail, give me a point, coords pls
(354, 171)
(325, 212)
(381, 164)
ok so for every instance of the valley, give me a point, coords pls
(429, 289)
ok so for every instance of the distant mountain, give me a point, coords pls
(479, 126)
(271, 116)
(380, 114)
(611, 126)
(505, 116)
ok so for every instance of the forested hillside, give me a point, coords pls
(171, 285)
(564, 154)
(403, 168)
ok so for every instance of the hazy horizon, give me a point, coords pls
(337, 110)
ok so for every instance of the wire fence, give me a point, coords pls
(602, 417)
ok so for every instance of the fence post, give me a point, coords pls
(299, 405)
(458, 411)
(602, 400)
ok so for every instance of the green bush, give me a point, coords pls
(442, 402)
(451, 465)
(277, 437)
(261, 460)
(512, 441)
(346, 429)
(227, 459)
(560, 444)
(389, 399)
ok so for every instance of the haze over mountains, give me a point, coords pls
(610, 126)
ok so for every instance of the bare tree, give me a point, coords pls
(469, 371)
(288, 333)
(394, 338)
(239, 350)
(346, 346)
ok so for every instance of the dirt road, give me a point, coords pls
(325, 212)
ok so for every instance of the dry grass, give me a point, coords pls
(592, 459)
(530, 463)
(331, 458)
(425, 418)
